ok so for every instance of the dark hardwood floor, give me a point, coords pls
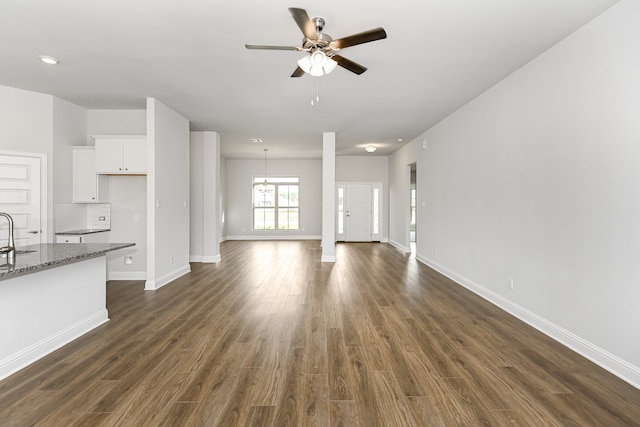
(271, 336)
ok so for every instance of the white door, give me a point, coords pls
(20, 198)
(358, 213)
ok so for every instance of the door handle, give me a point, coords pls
(33, 232)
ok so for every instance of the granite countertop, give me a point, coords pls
(82, 232)
(33, 258)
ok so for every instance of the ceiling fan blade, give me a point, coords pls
(299, 72)
(304, 22)
(260, 46)
(354, 67)
(364, 37)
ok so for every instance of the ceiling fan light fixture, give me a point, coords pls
(370, 148)
(317, 64)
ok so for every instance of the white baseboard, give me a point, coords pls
(276, 237)
(403, 248)
(152, 285)
(205, 259)
(612, 363)
(29, 355)
(126, 275)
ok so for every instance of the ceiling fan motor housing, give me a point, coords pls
(322, 41)
(319, 24)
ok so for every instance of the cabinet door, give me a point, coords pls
(102, 237)
(85, 180)
(68, 239)
(135, 156)
(109, 155)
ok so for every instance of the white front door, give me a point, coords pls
(358, 212)
(20, 198)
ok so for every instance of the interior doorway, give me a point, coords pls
(413, 208)
(20, 197)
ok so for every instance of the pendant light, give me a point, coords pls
(264, 188)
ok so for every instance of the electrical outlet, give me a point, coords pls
(435, 251)
(510, 283)
(128, 260)
(171, 259)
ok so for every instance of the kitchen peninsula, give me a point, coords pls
(50, 294)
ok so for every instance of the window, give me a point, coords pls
(340, 209)
(275, 203)
(376, 210)
(413, 207)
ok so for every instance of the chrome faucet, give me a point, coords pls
(10, 249)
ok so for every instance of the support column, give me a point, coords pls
(211, 202)
(328, 197)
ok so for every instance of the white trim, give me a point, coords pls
(29, 355)
(397, 245)
(205, 259)
(44, 190)
(152, 285)
(126, 275)
(275, 237)
(612, 363)
(328, 258)
(129, 136)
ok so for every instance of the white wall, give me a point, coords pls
(196, 195)
(116, 122)
(238, 211)
(223, 198)
(128, 199)
(367, 169)
(26, 121)
(168, 188)
(69, 129)
(27, 128)
(537, 180)
(127, 195)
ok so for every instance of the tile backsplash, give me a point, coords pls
(80, 216)
(99, 216)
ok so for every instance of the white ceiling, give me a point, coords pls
(190, 55)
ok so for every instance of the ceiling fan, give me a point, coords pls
(322, 50)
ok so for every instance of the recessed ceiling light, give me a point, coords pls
(255, 140)
(400, 140)
(370, 148)
(49, 60)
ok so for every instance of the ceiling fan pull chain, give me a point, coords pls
(315, 91)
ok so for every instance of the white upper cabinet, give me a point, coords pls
(121, 155)
(85, 180)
